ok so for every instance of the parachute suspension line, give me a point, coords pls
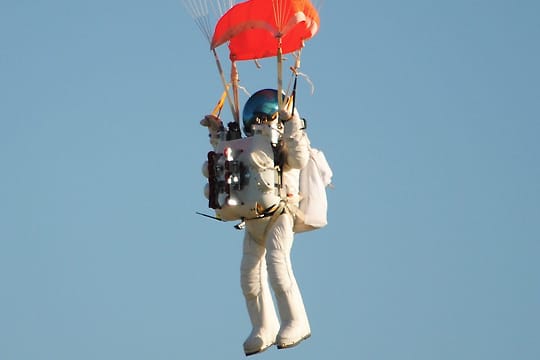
(206, 12)
(279, 15)
(200, 12)
(223, 6)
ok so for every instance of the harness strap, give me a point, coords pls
(281, 207)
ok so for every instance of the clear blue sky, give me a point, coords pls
(428, 113)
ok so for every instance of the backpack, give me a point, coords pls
(314, 178)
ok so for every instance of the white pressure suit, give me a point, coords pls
(266, 255)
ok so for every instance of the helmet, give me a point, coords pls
(262, 104)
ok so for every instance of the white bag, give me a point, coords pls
(314, 178)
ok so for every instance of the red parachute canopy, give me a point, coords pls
(254, 27)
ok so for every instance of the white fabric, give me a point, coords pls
(314, 178)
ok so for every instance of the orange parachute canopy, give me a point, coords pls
(256, 29)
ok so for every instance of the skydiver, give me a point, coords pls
(268, 241)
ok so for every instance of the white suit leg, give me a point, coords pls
(254, 282)
(294, 322)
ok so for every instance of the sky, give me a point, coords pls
(428, 113)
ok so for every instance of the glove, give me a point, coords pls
(212, 122)
(284, 115)
(293, 124)
(214, 125)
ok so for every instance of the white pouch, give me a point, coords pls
(314, 178)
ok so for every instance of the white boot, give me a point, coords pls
(294, 322)
(264, 322)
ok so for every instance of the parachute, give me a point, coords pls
(255, 29)
(259, 28)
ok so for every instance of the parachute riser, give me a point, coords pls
(234, 82)
(294, 93)
(224, 82)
